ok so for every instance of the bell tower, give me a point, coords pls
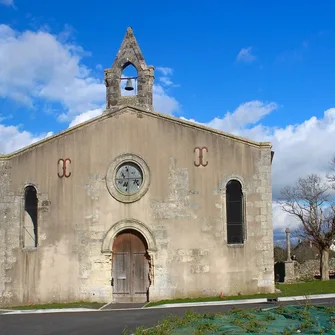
(129, 54)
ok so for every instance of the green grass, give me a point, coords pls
(79, 304)
(307, 288)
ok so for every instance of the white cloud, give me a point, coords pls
(6, 32)
(283, 220)
(85, 116)
(52, 70)
(245, 55)
(163, 103)
(7, 2)
(38, 65)
(300, 149)
(166, 81)
(166, 71)
(246, 114)
(12, 138)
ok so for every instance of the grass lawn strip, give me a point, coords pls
(300, 289)
(79, 304)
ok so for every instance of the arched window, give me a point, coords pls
(128, 83)
(30, 217)
(234, 208)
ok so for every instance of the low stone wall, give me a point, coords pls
(308, 269)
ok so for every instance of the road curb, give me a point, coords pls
(245, 301)
(211, 303)
(46, 311)
(307, 297)
(177, 305)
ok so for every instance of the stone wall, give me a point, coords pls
(307, 270)
(184, 209)
(129, 54)
(9, 212)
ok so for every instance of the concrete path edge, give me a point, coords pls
(45, 311)
(176, 305)
(245, 301)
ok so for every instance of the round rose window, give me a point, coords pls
(128, 178)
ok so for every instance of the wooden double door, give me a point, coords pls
(130, 274)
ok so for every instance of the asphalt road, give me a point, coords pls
(106, 322)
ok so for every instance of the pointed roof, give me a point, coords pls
(130, 51)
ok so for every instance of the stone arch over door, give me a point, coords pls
(132, 247)
(107, 243)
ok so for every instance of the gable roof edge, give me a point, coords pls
(53, 137)
(106, 115)
(203, 127)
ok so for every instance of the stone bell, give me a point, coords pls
(129, 85)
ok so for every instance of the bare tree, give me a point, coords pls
(309, 200)
(279, 253)
(331, 176)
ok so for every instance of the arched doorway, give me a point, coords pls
(130, 273)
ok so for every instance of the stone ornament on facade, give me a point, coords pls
(128, 178)
(201, 161)
(63, 166)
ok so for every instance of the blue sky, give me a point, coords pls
(259, 69)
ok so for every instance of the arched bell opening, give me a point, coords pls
(128, 82)
(130, 267)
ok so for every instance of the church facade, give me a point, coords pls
(135, 206)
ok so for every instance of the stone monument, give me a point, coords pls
(289, 263)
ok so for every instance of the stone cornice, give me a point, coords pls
(125, 109)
